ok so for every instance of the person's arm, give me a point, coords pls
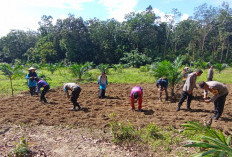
(27, 76)
(66, 91)
(205, 94)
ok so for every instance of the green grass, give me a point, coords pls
(130, 75)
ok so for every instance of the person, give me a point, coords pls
(103, 82)
(189, 85)
(210, 74)
(76, 90)
(136, 94)
(162, 84)
(46, 87)
(219, 91)
(31, 80)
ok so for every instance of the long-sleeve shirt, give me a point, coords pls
(102, 81)
(137, 89)
(218, 89)
(70, 86)
(41, 84)
(190, 83)
(210, 75)
(31, 82)
(162, 82)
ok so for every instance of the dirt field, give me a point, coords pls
(98, 113)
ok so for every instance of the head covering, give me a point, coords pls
(136, 95)
(32, 68)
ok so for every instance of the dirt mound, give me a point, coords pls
(100, 112)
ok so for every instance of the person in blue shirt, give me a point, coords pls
(162, 85)
(46, 87)
(31, 80)
(103, 82)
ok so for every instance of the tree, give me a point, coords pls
(11, 72)
(79, 70)
(168, 69)
(220, 67)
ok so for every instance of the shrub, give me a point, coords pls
(214, 142)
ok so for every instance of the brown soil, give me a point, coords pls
(98, 113)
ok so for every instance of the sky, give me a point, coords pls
(25, 14)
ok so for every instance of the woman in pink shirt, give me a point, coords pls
(136, 93)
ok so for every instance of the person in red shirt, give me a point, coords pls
(136, 94)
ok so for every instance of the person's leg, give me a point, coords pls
(103, 93)
(132, 103)
(189, 99)
(75, 95)
(160, 93)
(45, 90)
(140, 101)
(31, 90)
(220, 106)
(182, 98)
(100, 93)
(166, 93)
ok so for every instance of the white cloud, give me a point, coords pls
(184, 17)
(119, 8)
(162, 16)
(14, 13)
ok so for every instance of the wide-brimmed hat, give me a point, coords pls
(32, 68)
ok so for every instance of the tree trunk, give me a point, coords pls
(227, 51)
(222, 52)
(11, 85)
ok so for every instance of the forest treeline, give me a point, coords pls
(207, 36)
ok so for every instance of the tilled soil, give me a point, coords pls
(100, 112)
(97, 114)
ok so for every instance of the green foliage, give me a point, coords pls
(79, 70)
(53, 67)
(21, 149)
(118, 67)
(122, 132)
(104, 68)
(214, 141)
(153, 131)
(145, 68)
(135, 59)
(170, 70)
(220, 67)
(11, 72)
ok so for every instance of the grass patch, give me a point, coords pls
(129, 75)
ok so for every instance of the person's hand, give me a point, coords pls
(189, 92)
(207, 101)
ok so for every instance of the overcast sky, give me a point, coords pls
(25, 14)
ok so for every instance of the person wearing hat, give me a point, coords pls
(46, 87)
(103, 82)
(189, 85)
(136, 94)
(210, 74)
(219, 91)
(31, 76)
(162, 85)
(76, 90)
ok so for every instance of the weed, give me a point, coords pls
(21, 149)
